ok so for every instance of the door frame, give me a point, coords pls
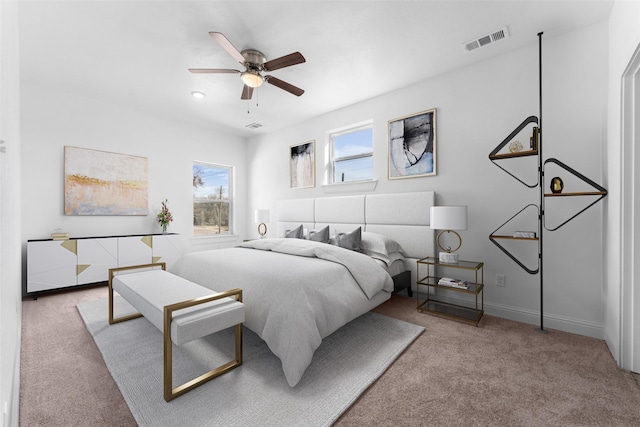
(629, 224)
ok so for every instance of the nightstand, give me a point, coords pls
(455, 302)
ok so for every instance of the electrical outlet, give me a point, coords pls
(501, 280)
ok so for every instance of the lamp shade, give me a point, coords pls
(252, 79)
(262, 216)
(448, 218)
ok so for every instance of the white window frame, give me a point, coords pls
(332, 159)
(230, 198)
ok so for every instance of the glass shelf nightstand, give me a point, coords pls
(435, 300)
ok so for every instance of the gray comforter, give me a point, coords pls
(296, 292)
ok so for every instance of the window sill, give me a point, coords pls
(350, 187)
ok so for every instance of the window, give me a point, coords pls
(352, 154)
(212, 199)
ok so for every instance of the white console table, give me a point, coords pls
(57, 264)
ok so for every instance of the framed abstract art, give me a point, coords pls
(412, 145)
(302, 165)
(103, 183)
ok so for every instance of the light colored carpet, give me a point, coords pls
(500, 374)
(256, 393)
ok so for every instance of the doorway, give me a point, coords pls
(630, 237)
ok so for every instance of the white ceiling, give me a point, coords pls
(138, 52)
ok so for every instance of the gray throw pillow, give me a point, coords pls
(320, 235)
(296, 233)
(351, 240)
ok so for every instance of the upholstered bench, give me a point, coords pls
(182, 310)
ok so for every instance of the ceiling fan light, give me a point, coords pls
(252, 79)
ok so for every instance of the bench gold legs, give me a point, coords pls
(170, 392)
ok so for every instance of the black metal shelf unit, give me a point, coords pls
(536, 150)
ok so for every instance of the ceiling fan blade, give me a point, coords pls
(284, 85)
(247, 92)
(226, 45)
(212, 71)
(284, 61)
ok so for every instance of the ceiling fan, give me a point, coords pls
(255, 64)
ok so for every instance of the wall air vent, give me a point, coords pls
(253, 125)
(502, 33)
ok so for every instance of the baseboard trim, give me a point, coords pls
(551, 321)
(11, 406)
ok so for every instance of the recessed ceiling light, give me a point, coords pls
(198, 95)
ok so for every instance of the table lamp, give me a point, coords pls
(262, 217)
(447, 219)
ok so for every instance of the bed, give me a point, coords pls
(296, 291)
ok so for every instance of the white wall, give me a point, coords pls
(10, 262)
(477, 107)
(624, 38)
(53, 118)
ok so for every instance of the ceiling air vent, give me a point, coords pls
(253, 125)
(502, 33)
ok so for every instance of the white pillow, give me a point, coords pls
(378, 243)
(381, 247)
(386, 258)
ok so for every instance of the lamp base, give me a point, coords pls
(448, 258)
(262, 230)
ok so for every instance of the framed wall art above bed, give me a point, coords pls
(412, 145)
(302, 165)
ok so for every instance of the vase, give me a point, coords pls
(164, 228)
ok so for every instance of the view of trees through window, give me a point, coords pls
(212, 201)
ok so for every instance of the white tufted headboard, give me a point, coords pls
(401, 216)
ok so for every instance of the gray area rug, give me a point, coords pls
(256, 393)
